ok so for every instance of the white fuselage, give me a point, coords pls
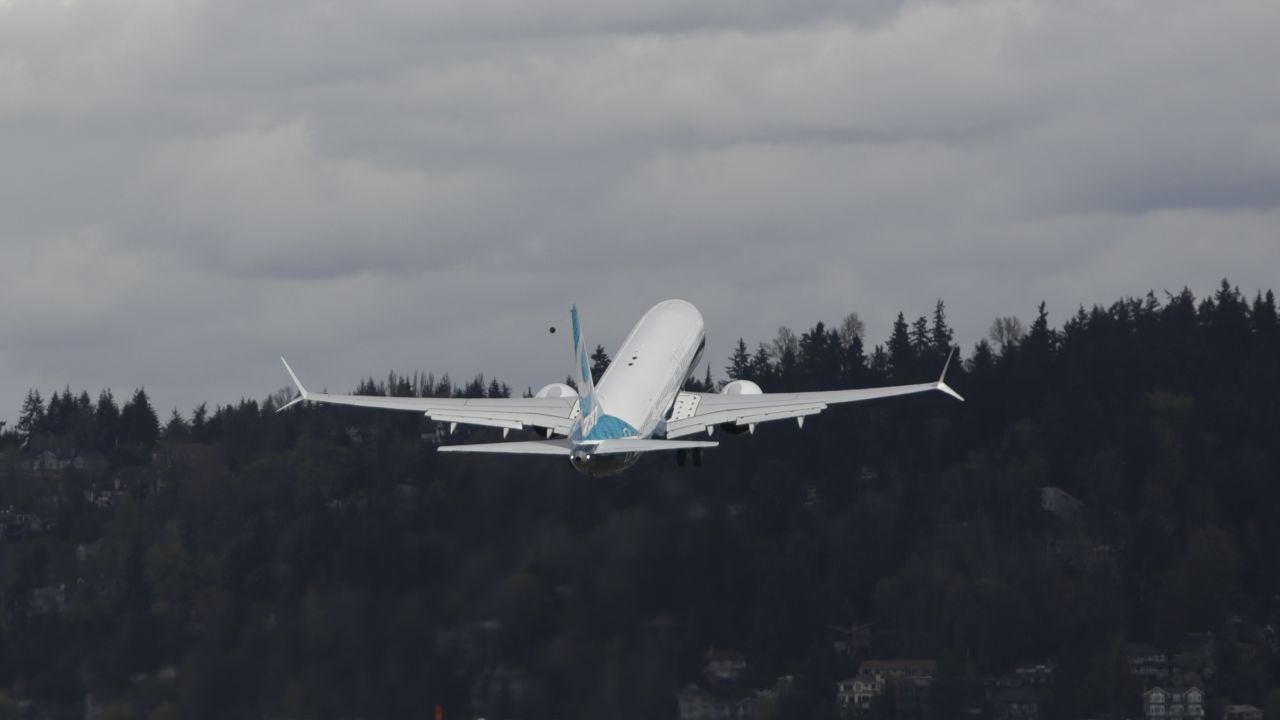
(646, 374)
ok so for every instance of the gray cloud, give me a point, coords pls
(190, 187)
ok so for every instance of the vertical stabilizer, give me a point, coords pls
(588, 407)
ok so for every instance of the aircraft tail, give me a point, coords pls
(587, 405)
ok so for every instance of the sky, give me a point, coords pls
(190, 189)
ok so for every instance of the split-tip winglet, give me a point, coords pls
(302, 392)
(942, 379)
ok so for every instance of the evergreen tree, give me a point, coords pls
(200, 423)
(177, 429)
(444, 388)
(853, 363)
(941, 335)
(739, 367)
(57, 418)
(1266, 325)
(1041, 340)
(106, 421)
(763, 372)
(819, 358)
(901, 356)
(881, 365)
(921, 342)
(139, 428)
(599, 363)
(32, 420)
(498, 390)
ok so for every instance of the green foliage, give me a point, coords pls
(326, 561)
(1273, 704)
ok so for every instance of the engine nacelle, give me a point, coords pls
(555, 390)
(738, 387)
(741, 387)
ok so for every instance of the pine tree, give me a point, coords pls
(941, 334)
(57, 416)
(762, 368)
(599, 363)
(1266, 325)
(739, 367)
(444, 387)
(921, 344)
(106, 421)
(139, 427)
(901, 357)
(853, 363)
(177, 429)
(32, 420)
(199, 423)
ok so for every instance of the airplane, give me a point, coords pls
(638, 406)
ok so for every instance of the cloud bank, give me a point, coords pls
(191, 188)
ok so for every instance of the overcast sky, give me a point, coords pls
(189, 189)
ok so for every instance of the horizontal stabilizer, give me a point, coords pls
(517, 447)
(638, 445)
(564, 448)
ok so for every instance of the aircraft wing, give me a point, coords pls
(697, 412)
(555, 414)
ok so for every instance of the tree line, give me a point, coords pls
(327, 561)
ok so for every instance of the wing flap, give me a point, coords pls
(756, 413)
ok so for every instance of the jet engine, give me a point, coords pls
(738, 387)
(555, 390)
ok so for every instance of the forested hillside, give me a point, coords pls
(327, 562)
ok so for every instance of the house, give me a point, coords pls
(1173, 703)
(16, 526)
(1035, 674)
(857, 692)
(1146, 662)
(1241, 712)
(1020, 703)
(723, 666)
(1059, 503)
(909, 681)
(56, 461)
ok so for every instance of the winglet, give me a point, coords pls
(942, 379)
(302, 392)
